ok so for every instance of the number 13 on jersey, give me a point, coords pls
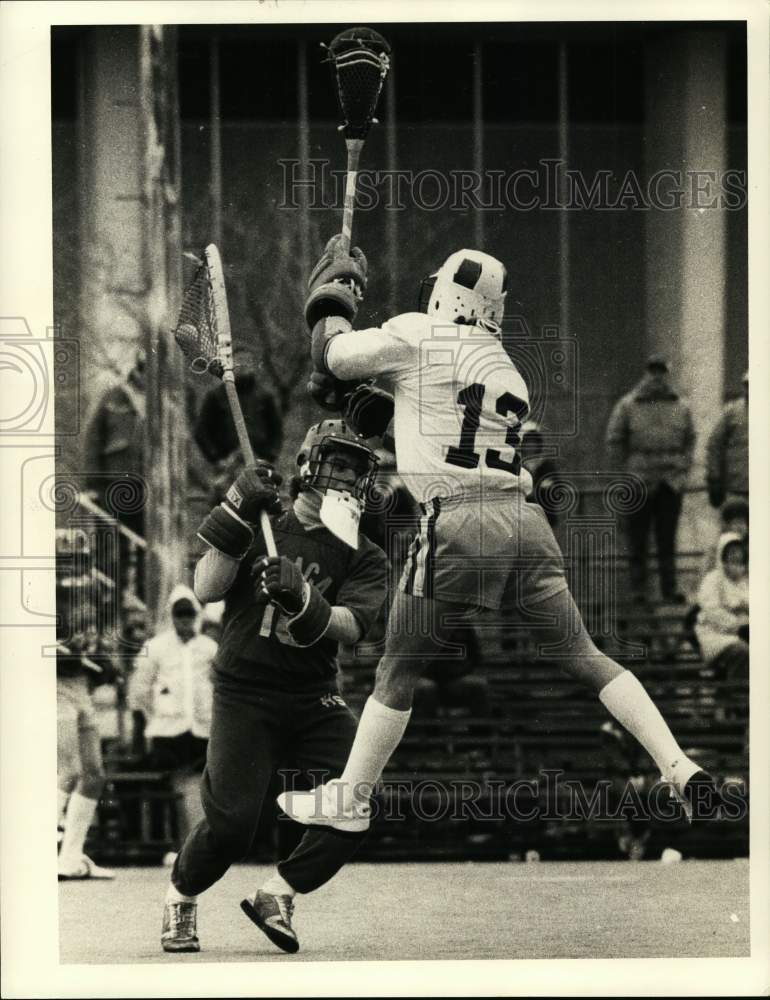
(472, 399)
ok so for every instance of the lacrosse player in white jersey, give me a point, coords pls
(458, 403)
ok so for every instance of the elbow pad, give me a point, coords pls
(323, 333)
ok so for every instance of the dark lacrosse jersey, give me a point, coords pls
(256, 645)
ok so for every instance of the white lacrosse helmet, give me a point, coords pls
(469, 286)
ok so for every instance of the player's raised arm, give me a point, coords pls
(340, 354)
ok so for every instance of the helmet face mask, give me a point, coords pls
(331, 458)
(469, 287)
(336, 463)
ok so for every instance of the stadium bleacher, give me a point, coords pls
(541, 721)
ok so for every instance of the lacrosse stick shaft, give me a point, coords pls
(248, 454)
(354, 147)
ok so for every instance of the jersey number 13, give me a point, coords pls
(471, 399)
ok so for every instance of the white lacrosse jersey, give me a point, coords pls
(459, 402)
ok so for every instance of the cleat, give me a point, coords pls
(84, 869)
(180, 932)
(324, 807)
(272, 914)
(701, 798)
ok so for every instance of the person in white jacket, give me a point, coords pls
(170, 695)
(722, 626)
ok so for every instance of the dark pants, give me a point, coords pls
(184, 752)
(253, 733)
(661, 509)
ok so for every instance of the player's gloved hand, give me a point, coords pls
(716, 492)
(329, 392)
(280, 581)
(227, 528)
(254, 490)
(337, 283)
(369, 410)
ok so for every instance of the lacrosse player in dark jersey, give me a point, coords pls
(276, 696)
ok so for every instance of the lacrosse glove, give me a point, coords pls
(279, 580)
(337, 283)
(227, 527)
(369, 410)
(329, 392)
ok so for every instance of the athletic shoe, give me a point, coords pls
(324, 806)
(84, 869)
(702, 798)
(180, 932)
(272, 914)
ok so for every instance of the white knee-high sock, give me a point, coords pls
(63, 799)
(80, 812)
(625, 698)
(379, 733)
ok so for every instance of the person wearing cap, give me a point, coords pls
(727, 452)
(650, 434)
(170, 696)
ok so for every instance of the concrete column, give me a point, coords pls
(130, 261)
(112, 284)
(686, 245)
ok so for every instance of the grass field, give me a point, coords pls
(434, 911)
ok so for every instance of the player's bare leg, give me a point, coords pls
(387, 711)
(621, 693)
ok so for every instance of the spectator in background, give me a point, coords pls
(542, 467)
(114, 442)
(80, 771)
(727, 452)
(170, 696)
(734, 517)
(214, 429)
(722, 625)
(650, 433)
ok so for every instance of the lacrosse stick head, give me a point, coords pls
(202, 330)
(360, 59)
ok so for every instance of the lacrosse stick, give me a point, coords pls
(360, 59)
(203, 333)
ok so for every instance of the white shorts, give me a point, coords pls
(493, 552)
